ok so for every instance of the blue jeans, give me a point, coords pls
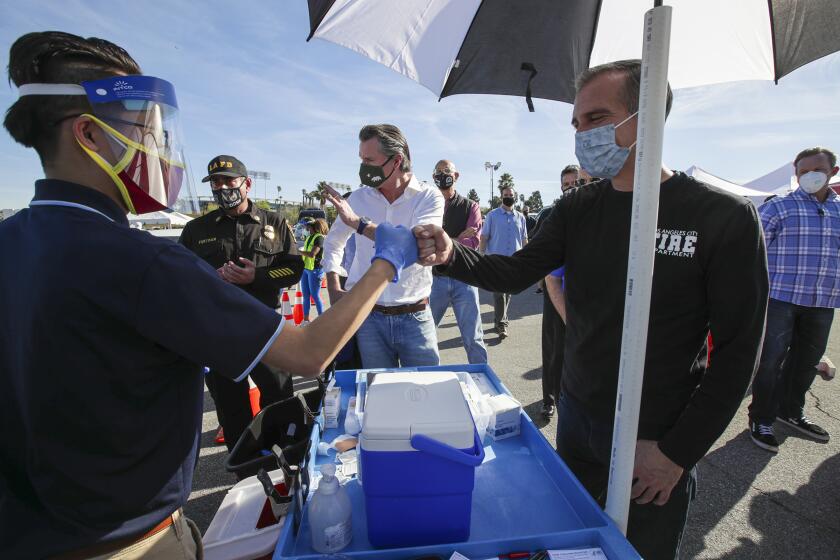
(794, 341)
(310, 285)
(407, 340)
(585, 445)
(464, 300)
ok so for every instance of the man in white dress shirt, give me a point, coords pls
(400, 330)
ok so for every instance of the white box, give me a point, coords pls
(332, 406)
(483, 384)
(505, 418)
(232, 534)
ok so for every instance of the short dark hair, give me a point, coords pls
(391, 142)
(632, 72)
(572, 168)
(832, 157)
(55, 57)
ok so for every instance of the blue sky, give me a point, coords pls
(249, 85)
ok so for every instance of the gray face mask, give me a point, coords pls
(598, 153)
(228, 198)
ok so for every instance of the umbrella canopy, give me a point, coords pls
(537, 47)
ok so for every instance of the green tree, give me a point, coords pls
(534, 202)
(331, 214)
(473, 195)
(290, 212)
(495, 202)
(505, 181)
(263, 204)
(319, 194)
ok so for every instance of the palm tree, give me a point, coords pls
(319, 193)
(505, 181)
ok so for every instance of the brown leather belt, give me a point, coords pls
(402, 309)
(100, 549)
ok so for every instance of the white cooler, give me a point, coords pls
(419, 449)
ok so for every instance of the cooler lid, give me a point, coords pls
(400, 405)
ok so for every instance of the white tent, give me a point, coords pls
(778, 181)
(165, 219)
(755, 195)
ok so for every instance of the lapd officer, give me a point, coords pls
(104, 328)
(255, 250)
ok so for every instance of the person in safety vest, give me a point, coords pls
(313, 274)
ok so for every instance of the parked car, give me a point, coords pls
(313, 213)
(300, 233)
(299, 229)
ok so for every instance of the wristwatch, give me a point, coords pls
(363, 223)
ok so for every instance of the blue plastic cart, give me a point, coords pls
(525, 499)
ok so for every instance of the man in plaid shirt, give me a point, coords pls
(802, 232)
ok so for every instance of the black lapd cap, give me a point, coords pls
(228, 166)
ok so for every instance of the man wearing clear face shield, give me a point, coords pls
(104, 329)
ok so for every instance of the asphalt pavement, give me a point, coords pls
(751, 504)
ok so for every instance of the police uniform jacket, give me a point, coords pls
(258, 235)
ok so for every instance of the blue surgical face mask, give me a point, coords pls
(598, 153)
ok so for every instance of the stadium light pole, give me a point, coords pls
(492, 168)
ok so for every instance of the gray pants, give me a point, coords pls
(500, 308)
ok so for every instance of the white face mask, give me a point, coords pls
(813, 181)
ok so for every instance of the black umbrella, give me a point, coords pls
(535, 48)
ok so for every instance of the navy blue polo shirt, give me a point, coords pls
(103, 330)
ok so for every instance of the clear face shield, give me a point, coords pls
(139, 115)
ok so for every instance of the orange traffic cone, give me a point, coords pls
(297, 312)
(286, 306)
(254, 397)
(323, 282)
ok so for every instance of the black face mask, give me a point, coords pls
(228, 199)
(508, 200)
(374, 175)
(444, 180)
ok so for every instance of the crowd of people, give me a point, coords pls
(106, 332)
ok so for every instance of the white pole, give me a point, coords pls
(651, 119)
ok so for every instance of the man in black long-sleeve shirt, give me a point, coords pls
(710, 275)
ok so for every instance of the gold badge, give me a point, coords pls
(268, 232)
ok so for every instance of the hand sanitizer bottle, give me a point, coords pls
(330, 514)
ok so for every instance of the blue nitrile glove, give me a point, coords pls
(397, 245)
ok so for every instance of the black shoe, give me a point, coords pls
(502, 332)
(806, 427)
(762, 435)
(548, 410)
